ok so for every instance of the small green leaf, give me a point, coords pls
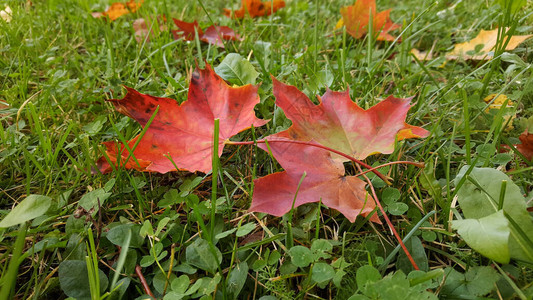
(109, 185)
(337, 279)
(429, 236)
(274, 257)
(488, 236)
(301, 256)
(236, 279)
(225, 233)
(74, 279)
(390, 195)
(199, 255)
(93, 200)
(117, 235)
(189, 184)
(173, 296)
(322, 272)
(397, 208)
(501, 159)
(365, 275)
(287, 268)
(147, 261)
(171, 197)
(159, 280)
(208, 286)
(146, 229)
(185, 268)
(340, 263)
(161, 225)
(245, 229)
(320, 249)
(477, 281)
(259, 264)
(30, 208)
(418, 253)
(235, 69)
(180, 284)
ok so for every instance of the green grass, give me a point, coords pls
(58, 65)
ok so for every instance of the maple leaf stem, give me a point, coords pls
(387, 220)
(355, 160)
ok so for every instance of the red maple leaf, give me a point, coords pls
(356, 18)
(338, 123)
(211, 35)
(325, 179)
(255, 8)
(526, 148)
(184, 133)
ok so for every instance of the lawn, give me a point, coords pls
(352, 163)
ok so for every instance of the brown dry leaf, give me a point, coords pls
(526, 148)
(488, 39)
(118, 9)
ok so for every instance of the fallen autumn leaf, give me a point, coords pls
(182, 135)
(526, 147)
(340, 124)
(486, 40)
(356, 18)
(255, 8)
(118, 9)
(212, 35)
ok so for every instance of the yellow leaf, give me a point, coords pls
(339, 24)
(497, 104)
(488, 39)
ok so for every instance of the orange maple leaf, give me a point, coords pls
(255, 8)
(356, 18)
(118, 9)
